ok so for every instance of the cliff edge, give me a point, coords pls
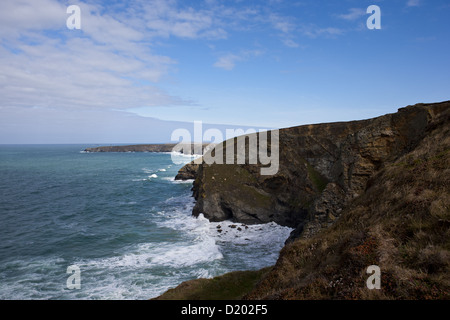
(321, 168)
(361, 193)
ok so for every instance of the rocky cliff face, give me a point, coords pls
(400, 166)
(321, 168)
(400, 223)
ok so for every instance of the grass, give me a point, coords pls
(401, 223)
(319, 181)
(230, 286)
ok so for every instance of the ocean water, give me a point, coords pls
(120, 217)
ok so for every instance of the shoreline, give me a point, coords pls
(348, 222)
(154, 147)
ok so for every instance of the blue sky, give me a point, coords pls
(138, 69)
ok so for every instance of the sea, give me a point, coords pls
(102, 226)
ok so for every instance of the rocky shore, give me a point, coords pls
(374, 191)
(322, 168)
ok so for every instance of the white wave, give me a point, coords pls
(162, 170)
(33, 278)
(145, 270)
(190, 181)
(181, 158)
(256, 246)
(249, 246)
(172, 179)
(242, 234)
(153, 176)
(204, 250)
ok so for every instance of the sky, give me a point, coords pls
(137, 70)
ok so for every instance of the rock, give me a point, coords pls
(187, 172)
(379, 196)
(322, 167)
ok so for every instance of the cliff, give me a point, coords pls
(399, 222)
(361, 193)
(321, 168)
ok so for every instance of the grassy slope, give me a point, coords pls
(230, 286)
(401, 223)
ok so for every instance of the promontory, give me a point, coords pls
(358, 194)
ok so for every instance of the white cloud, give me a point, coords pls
(290, 43)
(228, 61)
(112, 63)
(19, 16)
(413, 3)
(78, 75)
(314, 31)
(167, 18)
(353, 14)
(282, 24)
(290, 29)
(108, 64)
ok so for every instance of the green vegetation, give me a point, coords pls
(230, 286)
(401, 223)
(399, 220)
(234, 178)
(319, 181)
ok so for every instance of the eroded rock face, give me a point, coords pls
(187, 172)
(321, 168)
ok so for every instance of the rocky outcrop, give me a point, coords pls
(188, 172)
(400, 223)
(321, 168)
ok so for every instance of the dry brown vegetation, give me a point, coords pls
(401, 223)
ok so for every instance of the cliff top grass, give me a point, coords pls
(230, 286)
(399, 222)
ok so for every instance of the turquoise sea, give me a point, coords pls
(119, 217)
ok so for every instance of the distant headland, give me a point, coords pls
(161, 147)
